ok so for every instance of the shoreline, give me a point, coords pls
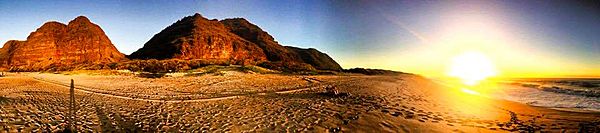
(512, 87)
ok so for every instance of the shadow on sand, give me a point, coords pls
(151, 75)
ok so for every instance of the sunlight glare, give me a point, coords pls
(471, 67)
(470, 91)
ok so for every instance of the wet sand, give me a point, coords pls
(241, 102)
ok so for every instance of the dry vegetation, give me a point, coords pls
(167, 66)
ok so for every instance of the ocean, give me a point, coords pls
(558, 93)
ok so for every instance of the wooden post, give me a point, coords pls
(71, 105)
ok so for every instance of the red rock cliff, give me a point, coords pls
(253, 33)
(8, 50)
(59, 45)
(276, 52)
(195, 37)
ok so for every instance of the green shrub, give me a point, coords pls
(288, 67)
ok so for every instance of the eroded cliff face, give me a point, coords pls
(235, 40)
(195, 37)
(316, 58)
(86, 42)
(58, 45)
(8, 50)
(230, 41)
(273, 50)
(276, 52)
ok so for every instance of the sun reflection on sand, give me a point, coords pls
(470, 91)
(483, 88)
(469, 103)
(472, 101)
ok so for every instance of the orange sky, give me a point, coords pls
(495, 30)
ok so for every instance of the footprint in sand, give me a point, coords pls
(409, 115)
(396, 114)
(384, 111)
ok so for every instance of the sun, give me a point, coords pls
(471, 67)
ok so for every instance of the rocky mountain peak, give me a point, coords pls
(58, 45)
(83, 23)
(195, 37)
(247, 30)
(82, 26)
(198, 15)
(7, 50)
(235, 41)
(276, 52)
(52, 25)
(316, 58)
(81, 19)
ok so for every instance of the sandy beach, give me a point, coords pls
(244, 102)
(247, 66)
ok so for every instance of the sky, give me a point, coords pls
(521, 38)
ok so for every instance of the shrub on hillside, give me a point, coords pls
(372, 71)
(291, 67)
(171, 65)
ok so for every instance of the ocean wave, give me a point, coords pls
(583, 92)
(578, 87)
(550, 97)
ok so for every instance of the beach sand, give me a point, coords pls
(242, 102)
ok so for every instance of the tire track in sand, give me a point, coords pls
(85, 90)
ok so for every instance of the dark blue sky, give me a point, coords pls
(398, 35)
